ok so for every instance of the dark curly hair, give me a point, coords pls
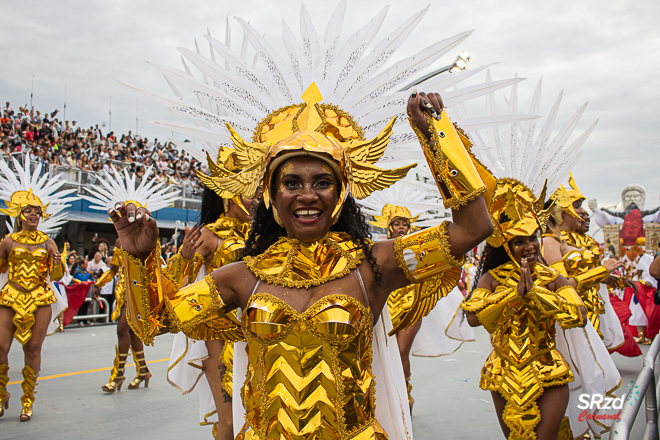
(212, 207)
(265, 231)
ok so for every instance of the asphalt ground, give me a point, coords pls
(70, 404)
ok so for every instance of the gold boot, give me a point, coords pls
(409, 388)
(117, 375)
(4, 395)
(140, 364)
(27, 399)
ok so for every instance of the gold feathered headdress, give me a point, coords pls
(391, 213)
(312, 129)
(564, 199)
(524, 211)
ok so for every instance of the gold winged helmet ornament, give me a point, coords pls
(523, 212)
(312, 129)
(564, 199)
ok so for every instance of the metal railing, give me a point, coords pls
(77, 179)
(95, 311)
(644, 389)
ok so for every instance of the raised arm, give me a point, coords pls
(57, 260)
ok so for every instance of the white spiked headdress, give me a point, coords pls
(22, 188)
(116, 187)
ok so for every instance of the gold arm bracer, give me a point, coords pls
(453, 167)
(57, 270)
(107, 276)
(146, 292)
(560, 267)
(116, 258)
(564, 304)
(425, 253)
(412, 303)
(183, 271)
(591, 278)
(489, 306)
(4, 265)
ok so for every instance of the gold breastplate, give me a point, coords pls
(309, 374)
(28, 268)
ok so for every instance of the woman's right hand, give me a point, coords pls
(612, 264)
(136, 228)
(191, 242)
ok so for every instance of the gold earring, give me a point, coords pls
(277, 217)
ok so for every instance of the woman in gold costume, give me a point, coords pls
(115, 185)
(217, 240)
(519, 300)
(30, 304)
(311, 283)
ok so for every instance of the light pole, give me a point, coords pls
(110, 115)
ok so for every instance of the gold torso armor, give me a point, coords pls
(585, 257)
(309, 374)
(28, 269)
(524, 359)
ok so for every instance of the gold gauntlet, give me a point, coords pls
(425, 253)
(458, 175)
(107, 276)
(183, 271)
(591, 278)
(145, 297)
(489, 306)
(194, 304)
(564, 304)
(560, 267)
(57, 270)
(116, 258)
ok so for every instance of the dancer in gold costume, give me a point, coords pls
(30, 262)
(518, 300)
(217, 240)
(123, 186)
(309, 325)
(574, 254)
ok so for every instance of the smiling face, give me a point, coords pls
(30, 217)
(305, 192)
(525, 247)
(250, 204)
(400, 227)
(571, 223)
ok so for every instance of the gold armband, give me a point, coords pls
(560, 267)
(183, 271)
(107, 276)
(459, 176)
(116, 258)
(146, 289)
(194, 304)
(57, 270)
(425, 253)
(564, 304)
(489, 306)
(591, 278)
(3, 265)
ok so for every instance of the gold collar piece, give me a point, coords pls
(292, 263)
(225, 227)
(29, 237)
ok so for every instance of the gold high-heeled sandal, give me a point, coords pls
(138, 357)
(117, 375)
(4, 395)
(411, 400)
(27, 399)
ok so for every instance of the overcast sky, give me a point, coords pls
(602, 52)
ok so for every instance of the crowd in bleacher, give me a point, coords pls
(60, 143)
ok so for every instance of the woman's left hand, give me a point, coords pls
(420, 105)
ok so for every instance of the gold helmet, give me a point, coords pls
(391, 213)
(564, 199)
(524, 212)
(312, 129)
(20, 200)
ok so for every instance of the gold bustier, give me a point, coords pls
(309, 374)
(524, 359)
(28, 269)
